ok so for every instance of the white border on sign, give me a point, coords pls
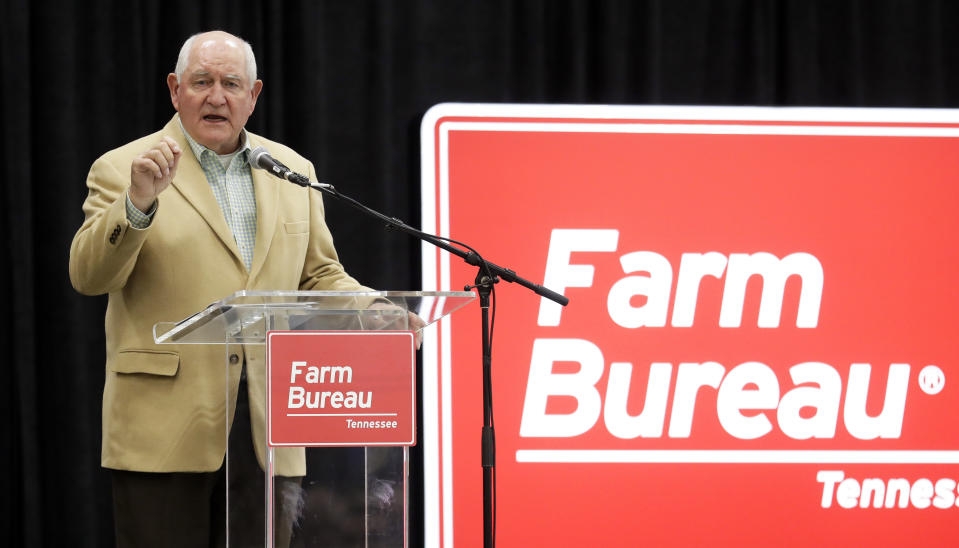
(434, 160)
(730, 456)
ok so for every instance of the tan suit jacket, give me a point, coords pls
(163, 405)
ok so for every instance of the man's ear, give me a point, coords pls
(255, 92)
(173, 83)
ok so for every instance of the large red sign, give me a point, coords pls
(340, 388)
(759, 347)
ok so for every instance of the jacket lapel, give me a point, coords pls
(267, 191)
(191, 182)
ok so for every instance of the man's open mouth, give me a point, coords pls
(214, 118)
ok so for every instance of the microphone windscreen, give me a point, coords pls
(259, 158)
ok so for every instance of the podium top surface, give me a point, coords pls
(246, 316)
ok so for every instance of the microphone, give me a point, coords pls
(260, 159)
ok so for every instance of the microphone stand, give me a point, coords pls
(487, 275)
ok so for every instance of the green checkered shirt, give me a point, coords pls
(233, 189)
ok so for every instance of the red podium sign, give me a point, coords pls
(340, 388)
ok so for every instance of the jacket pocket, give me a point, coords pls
(297, 227)
(151, 362)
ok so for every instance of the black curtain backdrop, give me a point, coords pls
(346, 84)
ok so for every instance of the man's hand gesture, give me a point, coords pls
(152, 171)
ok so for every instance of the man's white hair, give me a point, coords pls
(184, 58)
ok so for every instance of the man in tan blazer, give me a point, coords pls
(174, 221)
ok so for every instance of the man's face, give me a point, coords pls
(215, 98)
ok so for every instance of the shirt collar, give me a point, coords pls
(199, 150)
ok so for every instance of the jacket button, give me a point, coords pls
(234, 359)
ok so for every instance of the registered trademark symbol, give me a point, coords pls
(931, 379)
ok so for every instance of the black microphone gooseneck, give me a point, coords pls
(488, 274)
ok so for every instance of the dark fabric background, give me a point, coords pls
(346, 83)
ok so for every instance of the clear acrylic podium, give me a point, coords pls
(303, 496)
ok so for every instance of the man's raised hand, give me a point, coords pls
(152, 171)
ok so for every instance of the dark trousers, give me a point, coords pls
(187, 510)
